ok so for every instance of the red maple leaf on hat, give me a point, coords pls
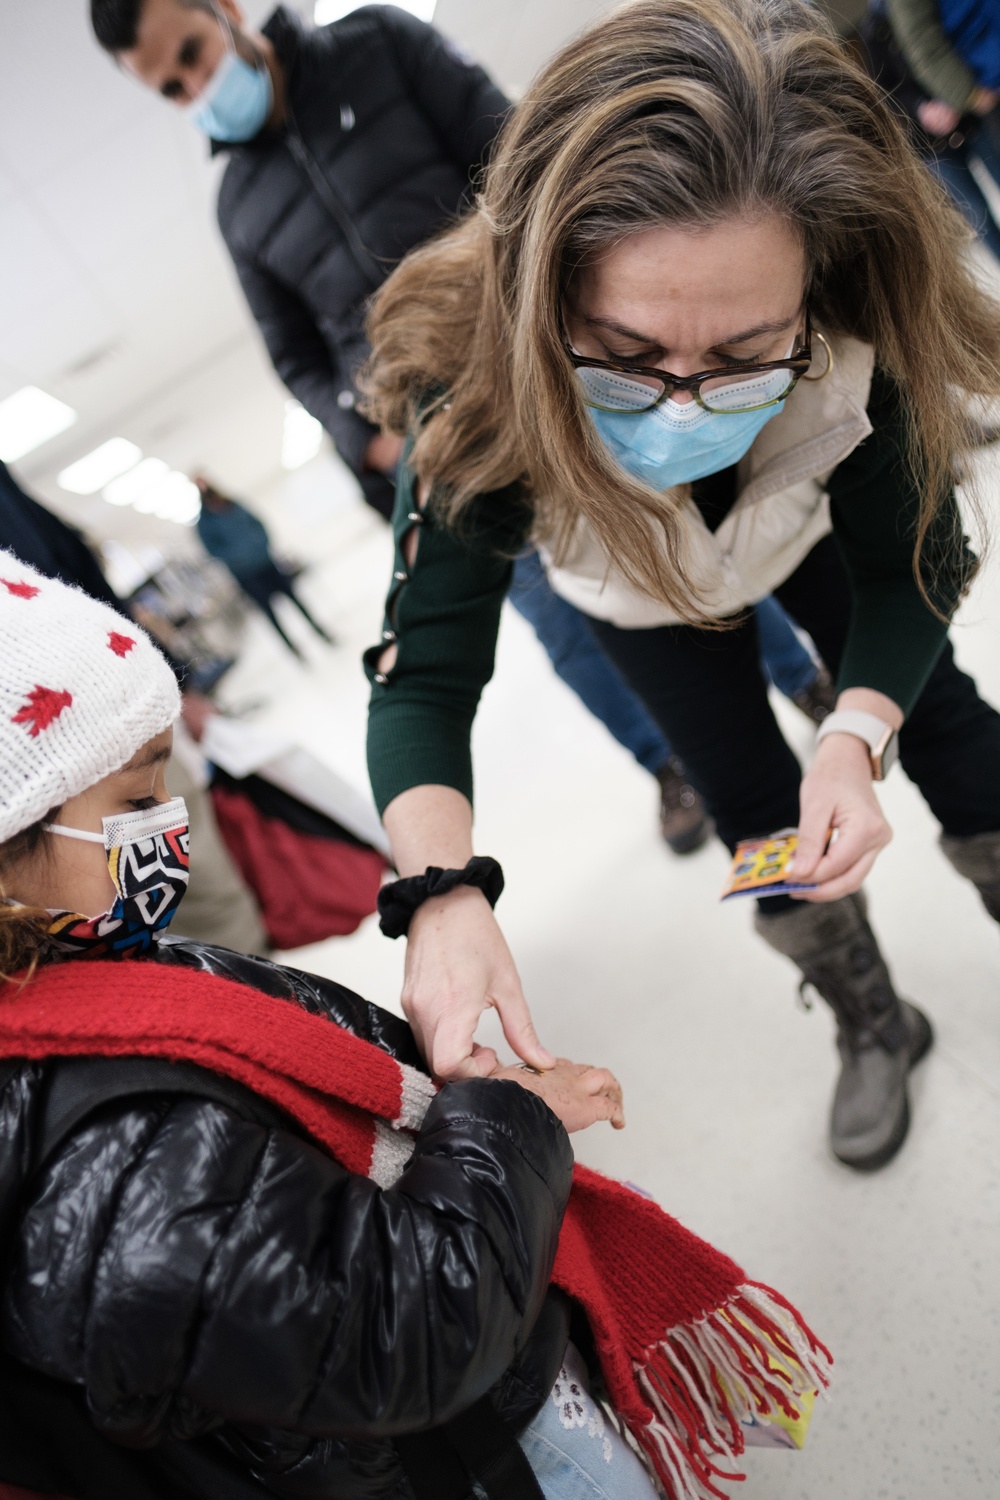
(121, 645)
(20, 590)
(43, 705)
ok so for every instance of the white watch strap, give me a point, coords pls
(867, 727)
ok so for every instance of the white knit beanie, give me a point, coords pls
(82, 688)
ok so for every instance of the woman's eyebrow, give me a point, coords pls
(775, 325)
(625, 333)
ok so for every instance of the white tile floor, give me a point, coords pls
(628, 959)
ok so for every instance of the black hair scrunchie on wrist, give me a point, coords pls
(399, 900)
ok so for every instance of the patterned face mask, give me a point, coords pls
(148, 861)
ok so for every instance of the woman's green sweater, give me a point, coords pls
(443, 611)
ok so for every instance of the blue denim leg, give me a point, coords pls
(573, 1450)
(986, 144)
(786, 661)
(953, 170)
(583, 666)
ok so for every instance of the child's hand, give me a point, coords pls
(579, 1094)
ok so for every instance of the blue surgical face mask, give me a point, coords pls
(235, 104)
(673, 443)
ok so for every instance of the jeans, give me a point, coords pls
(574, 1452)
(578, 659)
(706, 691)
(784, 658)
(952, 167)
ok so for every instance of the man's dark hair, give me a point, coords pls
(116, 22)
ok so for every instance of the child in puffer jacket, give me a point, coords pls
(250, 1249)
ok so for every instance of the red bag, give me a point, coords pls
(309, 886)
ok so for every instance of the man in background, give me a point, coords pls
(348, 145)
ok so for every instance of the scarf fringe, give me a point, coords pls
(753, 1357)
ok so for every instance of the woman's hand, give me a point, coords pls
(837, 793)
(579, 1094)
(457, 966)
(837, 796)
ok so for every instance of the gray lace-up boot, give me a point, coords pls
(978, 859)
(879, 1036)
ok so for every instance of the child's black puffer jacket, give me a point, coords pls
(209, 1306)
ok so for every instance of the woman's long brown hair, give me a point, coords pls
(684, 113)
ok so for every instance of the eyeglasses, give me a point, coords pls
(619, 386)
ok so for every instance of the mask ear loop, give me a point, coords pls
(223, 21)
(74, 833)
(829, 358)
(258, 61)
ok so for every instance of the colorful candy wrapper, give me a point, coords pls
(759, 866)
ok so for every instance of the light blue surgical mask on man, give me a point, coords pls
(675, 442)
(235, 104)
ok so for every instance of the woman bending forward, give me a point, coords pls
(707, 338)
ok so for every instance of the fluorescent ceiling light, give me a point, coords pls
(28, 419)
(92, 472)
(302, 437)
(332, 10)
(128, 489)
(172, 498)
(157, 490)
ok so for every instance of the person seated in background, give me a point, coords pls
(249, 1249)
(239, 539)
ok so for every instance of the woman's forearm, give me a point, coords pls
(869, 701)
(429, 825)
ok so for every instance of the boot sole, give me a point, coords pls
(921, 1043)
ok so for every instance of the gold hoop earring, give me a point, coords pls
(829, 358)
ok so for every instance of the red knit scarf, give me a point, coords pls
(688, 1346)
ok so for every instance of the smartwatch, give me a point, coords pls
(880, 737)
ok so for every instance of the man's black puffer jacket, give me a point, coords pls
(397, 124)
(244, 1315)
